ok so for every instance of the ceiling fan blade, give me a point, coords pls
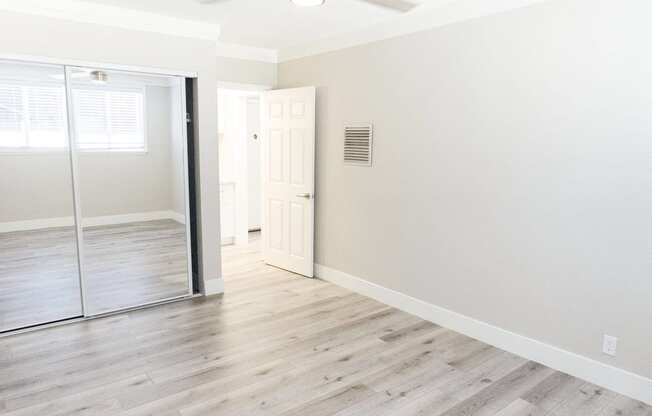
(398, 5)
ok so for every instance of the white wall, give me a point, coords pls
(512, 176)
(62, 39)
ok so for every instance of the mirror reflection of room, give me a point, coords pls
(39, 277)
(95, 157)
(131, 179)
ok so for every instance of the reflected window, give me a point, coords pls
(32, 117)
(110, 119)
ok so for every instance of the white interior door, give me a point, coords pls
(288, 138)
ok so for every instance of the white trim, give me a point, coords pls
(180, 218)
(427, 16)
(106, 15)
(248, 53)
(213, 287)
(48, 60)
(38, 224)
(239, 86)
(128, 218)
(41, 223)
(613, 378)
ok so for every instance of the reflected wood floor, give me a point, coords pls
(131, 264)
(125, 265)
(39, 280)
(279, 344)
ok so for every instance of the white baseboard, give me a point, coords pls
(213, 287)
(180, 218)
(612, 378)
(8, 227)
(38, 224)
(128, 218)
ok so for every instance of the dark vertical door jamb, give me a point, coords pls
(192, 180)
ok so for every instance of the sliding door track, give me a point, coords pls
(77, 319)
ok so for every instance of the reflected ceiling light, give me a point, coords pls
(99, 77)
(308, 3)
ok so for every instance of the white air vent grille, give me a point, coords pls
(358, 144)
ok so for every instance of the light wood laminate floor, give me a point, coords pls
(136, 263)
(279, 344)
(125, 265)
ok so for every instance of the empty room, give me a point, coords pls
(325, 207)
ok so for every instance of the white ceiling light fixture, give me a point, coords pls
(308, 3)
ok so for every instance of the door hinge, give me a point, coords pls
(188, 118)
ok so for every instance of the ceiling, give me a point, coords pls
(272, 24)
(267, 30)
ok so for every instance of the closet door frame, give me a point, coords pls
(66, 64)
(186, 180)
(75, 189)
(72, 132)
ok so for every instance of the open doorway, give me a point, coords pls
(267, 170)
(240, 178)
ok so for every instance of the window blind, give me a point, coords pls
(110, 120)
(11, 107)
(46, 117)
(32, 116)
(126, 120)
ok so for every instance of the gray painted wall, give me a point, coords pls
(512, 177)
(111, 183)
(41, 36)
(35, 186)
(246, 71)
(116, 183)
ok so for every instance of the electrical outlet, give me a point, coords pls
(609, 345)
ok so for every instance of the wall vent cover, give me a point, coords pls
(358, 140)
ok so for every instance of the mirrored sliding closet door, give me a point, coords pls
(94, 185)
(129, 149)
(39, 269)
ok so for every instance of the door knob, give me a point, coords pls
(308, 196)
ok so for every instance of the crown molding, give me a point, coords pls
(243, 87)
(249, 53)
(427, 16)
(87, 12)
